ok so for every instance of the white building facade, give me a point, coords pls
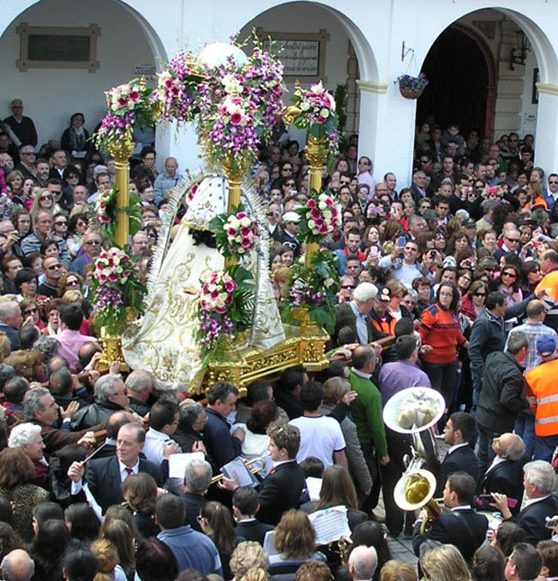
(364, 44)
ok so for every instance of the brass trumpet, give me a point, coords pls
(220, 477)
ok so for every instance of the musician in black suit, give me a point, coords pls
(458, 432)
(505, 473)
(245, 506)
(282, 487)
(460, 525)
(538, 481)
(106, 475)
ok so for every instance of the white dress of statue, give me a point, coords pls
(164, 341)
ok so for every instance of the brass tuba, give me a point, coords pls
(412, 411)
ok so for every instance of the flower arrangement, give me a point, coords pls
(116, 288)
(236, 234)
(412, 87)
(177, 88)
(106, 210)
(314, 287)
(225, 307)
(314, 109)
(319, 217)
(128, 104)
(235, 107)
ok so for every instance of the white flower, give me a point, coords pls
(317, 88)
(327, 214)
(232, 85)
(245, 222)
(311, 224)
(233, 222)
(304, 106)
(324, 112)
(322, 205)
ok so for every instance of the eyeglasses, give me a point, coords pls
(61, 223)
(54, 267)
(479, 294)
(516, 240)
(49, 197)
(510, 274)
(347, 286)
(72, 282)
(30, 311)
(93, 242)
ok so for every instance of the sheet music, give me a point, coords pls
(330, 524)
(92, 502)
(178, 462)
(237, 468)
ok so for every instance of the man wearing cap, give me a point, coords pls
(288, 238)
(542, 384)
(383, 321)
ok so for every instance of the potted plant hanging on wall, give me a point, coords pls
(412, 87)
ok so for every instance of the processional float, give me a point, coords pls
(229, 95)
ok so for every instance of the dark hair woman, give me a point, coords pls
(48, 548)
(439, 327)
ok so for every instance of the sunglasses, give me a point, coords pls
(347, 286)
(93, 242)
(30, 311)
(46, 197)
(510, 274)
(64, 223)
(72, 283)
(479, 295)
(54, 267)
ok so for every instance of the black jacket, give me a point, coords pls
(252, 530)
(280, 491)
(503, 393)
(461, 460)
(532, 519)
(506, 478)
(463, 528)
(93, 414)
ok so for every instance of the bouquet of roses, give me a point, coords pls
(115, 288)
(320, 217)
(225, 306)
(236, 234)
(314, 109)
(177, 87)
(127, 105)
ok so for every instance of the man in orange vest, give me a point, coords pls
(542, 384)
(549, 282)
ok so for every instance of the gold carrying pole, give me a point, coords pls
(316, 153)
(234, 178)
(121, 153)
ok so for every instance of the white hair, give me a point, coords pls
(364, 292)
(23, 434)
(363, 561)
(541, 474)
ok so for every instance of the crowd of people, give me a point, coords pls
(450, 283)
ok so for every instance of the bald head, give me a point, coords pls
(363, 562)
(17, 566)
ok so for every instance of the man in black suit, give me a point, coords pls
(245, 506)
(459, 430)
(282, 487)
(504, 475)
(538, 481)
(461, 525)
(105, 476)
(197, 478)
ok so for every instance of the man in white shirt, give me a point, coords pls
(163, 421)
(320, 436)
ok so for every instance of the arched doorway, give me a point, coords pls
(461, 85)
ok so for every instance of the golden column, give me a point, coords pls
(121, 152)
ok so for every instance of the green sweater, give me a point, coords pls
(366, 411)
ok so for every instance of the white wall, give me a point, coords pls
(51, 95)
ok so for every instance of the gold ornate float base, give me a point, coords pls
(304, 345)
(112, 351)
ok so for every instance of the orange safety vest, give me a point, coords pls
(550, 283)
(543, 385)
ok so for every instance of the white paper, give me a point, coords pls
(313, 485)
(237, 468)
(178, 462)
(330, 524)
(92, 502)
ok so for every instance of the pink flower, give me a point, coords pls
(246, 243)
(230, 286)
(311, 203)
(236, 118)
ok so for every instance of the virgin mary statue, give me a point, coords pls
(164, 340)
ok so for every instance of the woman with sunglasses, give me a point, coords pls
(508, 283)
(60, 225)
(70, 281)
(30, 308)
(44, 200)
(473, 301)
(77, 227)
(531, 275)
